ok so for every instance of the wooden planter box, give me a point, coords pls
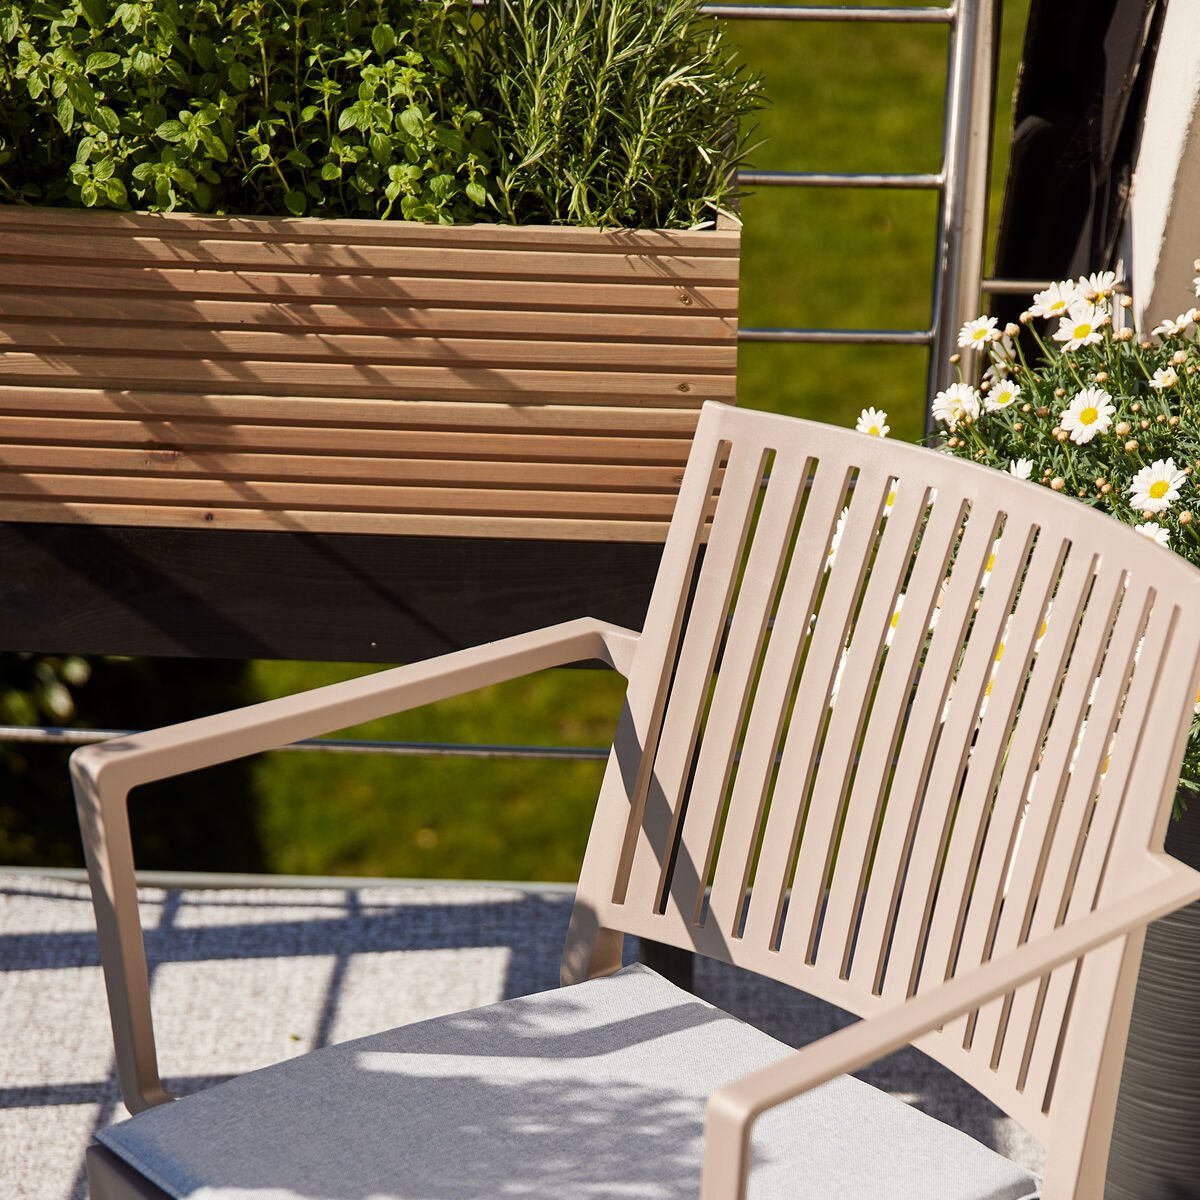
(534, 384)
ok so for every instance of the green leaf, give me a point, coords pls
(477, 193)
(331, 171)
(101, 60)
(64, 112)
(143, 62)
(107, 120)
(87, 193)
(296, 202)
(104, 169)
(383, 38)
(381, 148)
(83, 151)
(10, 23)
(144, 170)
(413, 121)
(115, 191)
(171, 131)
(183, 176)
(205, 52)
(239, 77)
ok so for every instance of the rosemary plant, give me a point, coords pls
(610, 112)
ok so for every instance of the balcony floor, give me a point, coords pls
(246, 976)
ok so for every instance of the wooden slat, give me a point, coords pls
(382, 380)
(164, 438)
(45, 310)
(202, 347)
(401, 413)
(336, 470)
(285, 520)
(390, 291)
(349, 367)
(445, 261)
(358, 231)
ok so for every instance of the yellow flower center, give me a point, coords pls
(1082, 330)
(1058, 306)
(980, 335)
(1158, 489)
(1088, 416)
(873, 429)
(895, 618)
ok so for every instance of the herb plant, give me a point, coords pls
(616, 112)
(610, 112)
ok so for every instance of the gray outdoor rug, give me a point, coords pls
(246, 977)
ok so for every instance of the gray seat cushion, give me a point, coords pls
(596, 1091)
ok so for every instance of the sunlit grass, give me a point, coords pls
(845, 98)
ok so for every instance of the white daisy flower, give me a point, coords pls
(1196, 284)
(1164, 377)
(1154, 531)
(1088, 414)
(873, 420)
(891, 499)
(1156, 487)
(1056, 299)
(1001, 396)
(1021, 468)
(978, 332)
(891, 629)
(1169, 328)
(1081, 326)
(957, 401)
(1099, 283)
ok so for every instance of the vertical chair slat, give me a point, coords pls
(693, 671)
(768, 714)
(787, 811)
(947, 725)
(980, 789)
(1086, 641)
(898, 704)
(735, 680)
(859, 676)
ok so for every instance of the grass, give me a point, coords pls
(844, 98)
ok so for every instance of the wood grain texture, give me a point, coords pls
(327, 375)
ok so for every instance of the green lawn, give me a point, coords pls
(862, 97)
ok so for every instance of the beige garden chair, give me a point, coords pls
(917, 760)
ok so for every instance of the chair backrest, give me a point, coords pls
(901, 714)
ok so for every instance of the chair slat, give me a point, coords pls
(740, 660)
(766, 720)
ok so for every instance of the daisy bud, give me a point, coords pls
(978, 455)
(1144, 424)
(1191, 370)
(1147, 515)
(1056, 431)
(1060, 392)
(1026, 317)
(1179, 357)
(1146, 345)
(1100, 481)
(1082, 492)
(956, 358)
(1123, 335)
(1101, 376)
(1121, 428)
(1011, 330)
(1131, 445)
(1172, 421)
(1126, 301)
(1185, 517)
(1187, 470)
(983, 387)
(1058, 483)
(1043, 411)
(1105, 489)
(1062, 435)
(1026, 408)
(1196, 265)
(1160, 418)
(1018, 426)
(1136, 406)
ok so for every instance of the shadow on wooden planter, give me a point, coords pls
(342, 439)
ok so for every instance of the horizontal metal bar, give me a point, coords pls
(812, 12)
(1015, 287)
(841, 337)
(207, 880)
(841, 179)
(49, 735)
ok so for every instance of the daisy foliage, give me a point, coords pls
(1095, 410)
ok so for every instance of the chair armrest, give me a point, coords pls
(103, 774)
(732, 1109)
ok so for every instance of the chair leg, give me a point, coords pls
(111, 1178)
(670, 962)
